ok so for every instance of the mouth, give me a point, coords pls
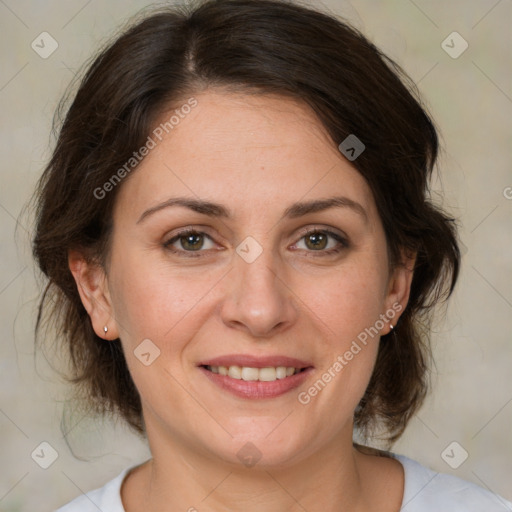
(251, 374)
(256, 377)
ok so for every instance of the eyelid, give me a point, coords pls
(200, 230)
(333, 233)
(324, 229)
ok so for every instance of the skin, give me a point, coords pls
(256, 155)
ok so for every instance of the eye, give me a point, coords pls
(189, 241)
(322, 241)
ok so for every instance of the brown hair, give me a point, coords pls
(261, 47)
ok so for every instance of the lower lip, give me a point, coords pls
(255, 388)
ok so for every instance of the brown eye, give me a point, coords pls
(192, 241)
(189, 241)
(316, 241)
(322, 241)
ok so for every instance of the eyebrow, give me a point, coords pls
(294, 211)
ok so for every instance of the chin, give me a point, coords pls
(256, 447)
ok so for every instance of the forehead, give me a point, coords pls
(244, 150)
(229, 124)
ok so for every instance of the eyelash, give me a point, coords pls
(343, 242)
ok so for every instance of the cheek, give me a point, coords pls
(349, 305)
(350, 301)
(151, 301)
(154, 303)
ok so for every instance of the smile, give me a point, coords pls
(256, 376)
(247, 373)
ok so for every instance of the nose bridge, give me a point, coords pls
(258, 274)
(258, 298)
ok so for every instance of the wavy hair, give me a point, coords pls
(256, 47)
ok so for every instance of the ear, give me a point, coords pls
(399, 289)
(92, 285)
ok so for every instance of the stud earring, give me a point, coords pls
(105, 329)
(390, 325)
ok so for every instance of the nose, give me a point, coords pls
(258, 300)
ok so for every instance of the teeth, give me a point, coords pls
(250, 373)
(267, 374)
(281, 372)
(247, 373)
(235, 372)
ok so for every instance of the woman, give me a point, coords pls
(243, 260)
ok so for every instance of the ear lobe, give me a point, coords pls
(400, 285)
(92, 285)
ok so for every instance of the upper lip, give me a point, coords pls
(255, 361)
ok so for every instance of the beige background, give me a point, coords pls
(471, 99)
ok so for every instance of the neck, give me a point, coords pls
(181, 478)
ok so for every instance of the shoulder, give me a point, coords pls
(427, 490)
(106, 498)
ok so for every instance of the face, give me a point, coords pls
(245, 240)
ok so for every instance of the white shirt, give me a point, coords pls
(424, 491)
